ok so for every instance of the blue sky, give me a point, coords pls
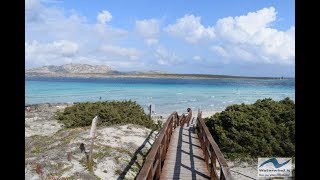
(252, 38)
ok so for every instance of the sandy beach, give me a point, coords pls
(52, 151)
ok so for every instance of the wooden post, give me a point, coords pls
(206, 154)
(150, 110)
(174, 122)
(213, 158)
(213, 163)
(158, 170)
(92, 136)
(150, 175)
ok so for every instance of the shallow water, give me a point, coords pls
(167, 95)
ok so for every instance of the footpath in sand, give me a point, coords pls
(52, 151)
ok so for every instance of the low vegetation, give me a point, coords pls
(109, 112)
(263, 129)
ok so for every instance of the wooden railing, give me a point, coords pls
(153, 164)
(212, 152)
(185, 119)
(154, 161)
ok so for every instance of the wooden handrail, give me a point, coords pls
(212, 152)
(186, 119)
(152, 166)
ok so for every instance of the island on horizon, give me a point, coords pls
(74, 70)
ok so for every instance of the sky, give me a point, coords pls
(231, 37)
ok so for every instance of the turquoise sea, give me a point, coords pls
(167, 95)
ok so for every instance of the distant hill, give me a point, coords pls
(103, 71)
(83, 70)
(148, 72)
(72, 68)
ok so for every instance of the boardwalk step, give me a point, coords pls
(184, 158)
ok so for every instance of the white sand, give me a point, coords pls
(106, 169)
(243, 170)
(195, 113)
(41, 121)
(128, 137)
(36, 126)
(208, 113)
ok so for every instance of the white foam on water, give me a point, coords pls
(166, 97)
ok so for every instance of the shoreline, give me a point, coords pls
(39, 118)
(48, 104)
(151, 76)
(164, 116)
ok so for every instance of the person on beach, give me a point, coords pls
(28, 109)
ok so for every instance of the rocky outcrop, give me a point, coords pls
(103, 71)
(72, 69)
(85, 71)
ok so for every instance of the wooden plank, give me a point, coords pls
(186, 155)
(184, 158)
(147, 170)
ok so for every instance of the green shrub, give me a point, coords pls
(109, 112)
(263, 129)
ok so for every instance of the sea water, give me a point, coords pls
(167, 95)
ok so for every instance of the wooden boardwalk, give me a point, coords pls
(181, 153)
(184, 158)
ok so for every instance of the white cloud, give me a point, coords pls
(149, 30)
(106, 33)
(52, 37)
(190, 29)
(31, 4)
(33, 10)
(61, 48)
(232, 52)
(240, 29)
(54, 52)
(104, 17)
(164, 57)
(257, 39)
(55, 35)
(132, 53)
(242, 54)
(67, 48)
(46, 23)
(219, 50)
(151, 41)
(249, 37)
(197, 58)
(63, 51)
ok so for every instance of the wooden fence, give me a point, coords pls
(212, 152)
(154, 161)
